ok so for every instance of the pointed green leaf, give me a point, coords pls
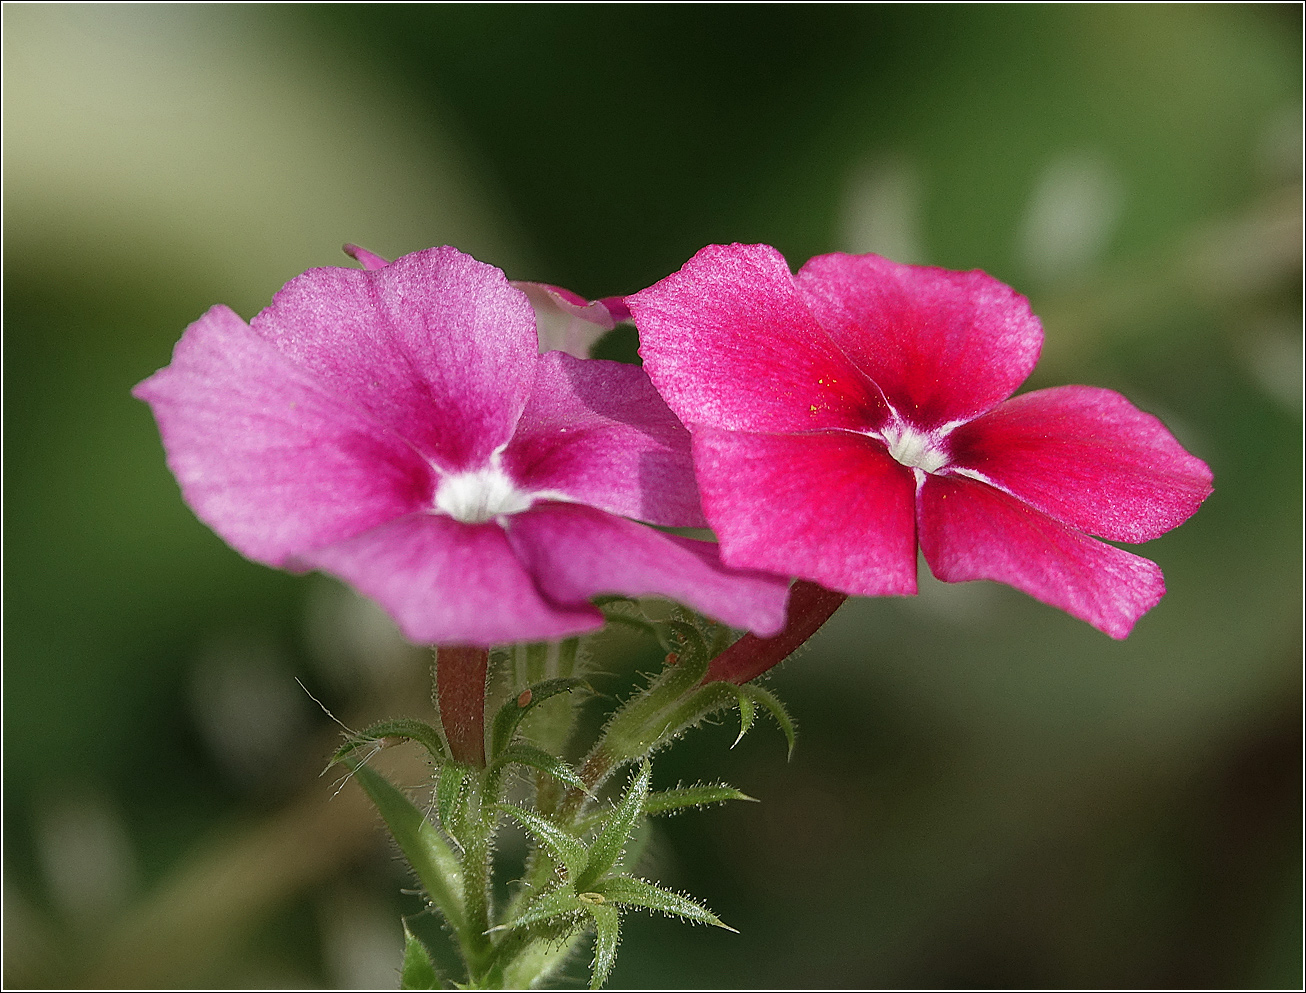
(418, 970)
(610, 843)
(565, 848)
(554, 903)
(510, 715)
(451, 798)
(542, 760)
(777, 710)
(400, 727)
(435, 865)
(666, 801)
(747, 709)
(607, 934)
(631, 892)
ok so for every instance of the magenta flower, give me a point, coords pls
(841, 415)
(398, 428)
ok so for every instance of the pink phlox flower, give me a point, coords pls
(843, 414)
(565, 321)
(397, 427)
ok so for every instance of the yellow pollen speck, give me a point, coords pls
(813, 410)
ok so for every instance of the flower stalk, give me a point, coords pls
(460, 674)
(810, 606)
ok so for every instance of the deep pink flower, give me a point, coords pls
(397, 427)
(843, 413)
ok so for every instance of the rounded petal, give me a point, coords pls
(972, 531)
(450, 583)
(435, 345)
(567, 322)
(597, 432)
(1089, 458)
(577, 552)
(268, 459)
(830, 507)
(729, 343)
(943, 346)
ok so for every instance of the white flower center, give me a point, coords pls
(915, 449)
(478, 496)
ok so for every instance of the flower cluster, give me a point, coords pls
(408, 428)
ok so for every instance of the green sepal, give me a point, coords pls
(631, 892)
(565, 848)
(539, 759)
(640, 724)
(418, 971)
(638, 623)
(435, 865)
(747, 711)
(510, 715)
(608, 846)
(772, 703)
(685, 640)
(451, 789)
(660, 802)
(702, 795)
(699, 704)
(545, 907)
(607, 935)
(399, 727)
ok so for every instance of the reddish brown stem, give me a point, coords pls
(810, 606)
(460, 692)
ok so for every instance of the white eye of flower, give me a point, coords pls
(478, 496)
(915, 449)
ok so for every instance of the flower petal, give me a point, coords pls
(577, 552)
(266, 457)
(450, 583)
(596, 432)
(830, 507)
(729, 343)
(437, 346)
(368, 260)
(943, 346)
(970, 530)
(1089, 458)
(568, 322)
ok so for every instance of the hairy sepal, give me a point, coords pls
(631, 892)
(565, 848)
(607, 935)
(436, 867)
(611, 842)
(536, 758)
(399, 727)
(418, 972)
(514, 711)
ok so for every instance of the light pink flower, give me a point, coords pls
(844, 413)
(397, 427)
(565, 321)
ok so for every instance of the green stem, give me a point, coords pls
(473, 937)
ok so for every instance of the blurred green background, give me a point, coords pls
(985, 793)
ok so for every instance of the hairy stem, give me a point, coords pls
(460, 694)
(810, 606)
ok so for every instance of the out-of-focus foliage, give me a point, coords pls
(986, 792)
